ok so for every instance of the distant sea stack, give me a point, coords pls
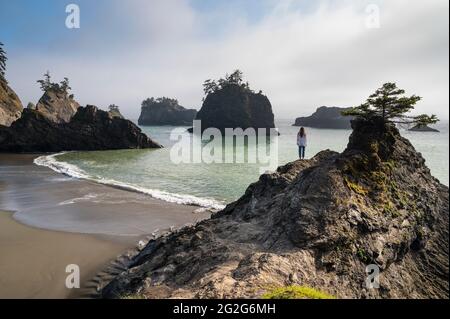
(230, 103)
(165, 111)
(89, 129)
(10, 105)
(423, 128)
(315, 223)
(327, 118)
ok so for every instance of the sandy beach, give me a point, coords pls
(48, 221)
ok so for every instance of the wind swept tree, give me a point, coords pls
(389, 104)
(46, 83)
(3, 59)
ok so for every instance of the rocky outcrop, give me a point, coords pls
(317, 223)
(57, 106)
(10, 104)
(165, 111)
(89, 129)
(326, 117)
(423, 128)
(235, 106)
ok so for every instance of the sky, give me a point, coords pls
(301, 54)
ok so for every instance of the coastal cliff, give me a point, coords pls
(10, 104)
(89, 129)
(315, 223)
(326, 117)
(165, 111)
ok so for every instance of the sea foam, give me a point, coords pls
(71, 170)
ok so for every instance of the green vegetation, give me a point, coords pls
(3, 59)
(389, 104)
(48, 86)
(160, 100)
(235, 78)
(296, 292)
(363, 255)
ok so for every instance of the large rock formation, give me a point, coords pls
(164, 111)
(57, 105)
(89, 129)
(317, 223)
(10, 105)
(235, 106)
(326, 117)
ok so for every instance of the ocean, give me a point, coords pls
(153, 172)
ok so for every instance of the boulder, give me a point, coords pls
(165, 112)
(89, 129)
(57, 106)
(10, 104)
(326, 117)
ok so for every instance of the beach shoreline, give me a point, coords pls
(48, 220)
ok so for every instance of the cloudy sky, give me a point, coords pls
(301, 54)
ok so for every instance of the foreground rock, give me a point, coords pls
(235, 106)
(326, 117)
(10, 104)
(423, 128)
(89, 129)
(57, 106)
(164, 111)
(317, 223)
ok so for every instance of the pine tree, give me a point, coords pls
(389, 104)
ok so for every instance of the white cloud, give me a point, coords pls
(300, 59)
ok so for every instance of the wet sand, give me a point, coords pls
(33, 261)
(59, 220)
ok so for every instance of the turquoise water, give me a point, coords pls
(153, 172)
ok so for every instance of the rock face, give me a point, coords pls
(317, 223)
(423, 128)
(165, 112)
(57, 106)
(10, 105)
(326, 117)
(236, 107)
(89, 129)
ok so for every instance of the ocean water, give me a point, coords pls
(213, 185)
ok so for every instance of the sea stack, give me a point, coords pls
(316, 223)
(232, 104)
(165, 111)
(10, 105)
(423, 128)
(327, 118)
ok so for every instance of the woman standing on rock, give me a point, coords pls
(301, 142)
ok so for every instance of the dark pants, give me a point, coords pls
(301, 152)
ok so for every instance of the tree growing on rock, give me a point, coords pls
(235, 78)
(3, 59)
(389, 104)
(47, 85)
